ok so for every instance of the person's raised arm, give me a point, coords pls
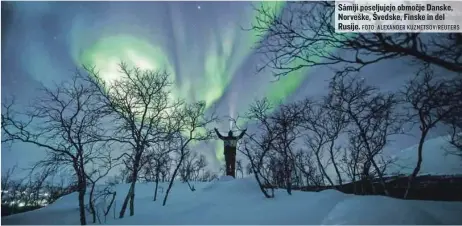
(242, 134)
(218, 134)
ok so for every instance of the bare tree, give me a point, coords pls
(431, 100)
(191, 169)
(158, 163)
(15, 192)
(101, 166)
(351, 159)
(189, 123)
(256, 147)
(307, 166)
(335, 125)
(248, 169)
(317, 135)
(56, 190)
(303, 35)
(274, 169)
(139, 102)
(207, 176)
(454, 118)
(456, 138)
(106, 212)
(37, 184)
(256, 152)
(239, 168)
(279, 131)
(324, 125)
(7, 179)
(286, 122)
(372, 115)
(64, 121)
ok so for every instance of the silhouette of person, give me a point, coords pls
(230, 143)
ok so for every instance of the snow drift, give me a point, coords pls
(239, 201)
(436, 160)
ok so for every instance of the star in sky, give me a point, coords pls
(219, 62)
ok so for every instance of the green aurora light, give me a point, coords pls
(220, 64)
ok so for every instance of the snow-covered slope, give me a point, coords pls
(436, 161)
(240, 201)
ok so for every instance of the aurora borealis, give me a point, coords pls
(200, 73)
(202, 46)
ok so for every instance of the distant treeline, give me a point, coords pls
(426, 187)
(9, 209)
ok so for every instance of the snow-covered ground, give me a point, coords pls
(239, 201)
(230, 201)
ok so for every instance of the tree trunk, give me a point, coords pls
(255, 173)
(132, 202)
(170, 184)
(262, 188)
(288, 173)
(92, 205)
(353, 178)
(125, 203)
(321, 167)
(365, 180)
(289, 186)
(419, 163)
(337, 171)
(157, 185)
(382, 181)
(109, 207)
(82, 190)
(190, 187)
(131, 193)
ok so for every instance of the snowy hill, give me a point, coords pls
(239, 201)
(436, 161)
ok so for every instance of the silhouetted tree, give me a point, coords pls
(7, 179)
(274, 145)
(317, 135)
(304, 160)
(302, 35)
(351, 160)
(192, 167)
(286, 123)
(139, 102)
(189, 124)
(56, 190)
(66, 121)
(239, 168)
(256, 147)
(454, 118)
(256, 153)
(373, 119)
(158, 163)
(431, 100)
(37, 184)
(101, 168)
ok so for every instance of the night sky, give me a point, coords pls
(201, 44)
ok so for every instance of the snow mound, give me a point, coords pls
(436, 161)
(233, 187)
(240, 201)
(404, 212)
(65, 202)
